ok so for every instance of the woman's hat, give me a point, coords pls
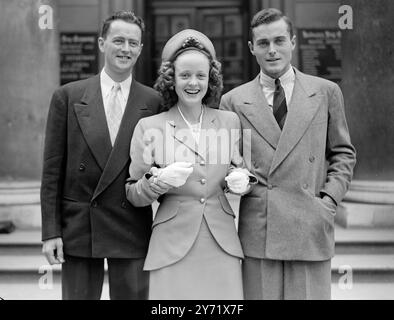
(188, 39)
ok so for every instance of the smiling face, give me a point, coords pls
(121, 47)
(191, 77)
(273, 47)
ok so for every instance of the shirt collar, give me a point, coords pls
(107, 83)
(267, 81)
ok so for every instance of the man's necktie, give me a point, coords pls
(279, 106)
(114, 116)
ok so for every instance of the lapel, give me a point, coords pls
(91, 118)
(208, 130)
(119, 156)
(256, 110)
(181, 132)
(302, 108)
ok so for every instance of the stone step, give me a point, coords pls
(364, 240)
(28, 288)
(21, 242)
(370, 265)
(347, 241)
(363, 268)
(363, 291)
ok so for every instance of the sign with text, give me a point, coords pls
(320, 53)
(78, 56)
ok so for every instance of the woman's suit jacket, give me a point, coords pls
(163, 139)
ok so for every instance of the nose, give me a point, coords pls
(272, 49)
(193, 80)
(126, 46)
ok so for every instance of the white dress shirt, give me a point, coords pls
(107, 83)
(268, 85)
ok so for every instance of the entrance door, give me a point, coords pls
(224, 22)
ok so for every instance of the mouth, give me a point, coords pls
(192, 92)
(273, 60)
(123, 58)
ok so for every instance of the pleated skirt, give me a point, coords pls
(207, 272)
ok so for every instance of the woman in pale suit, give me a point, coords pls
(187, 157)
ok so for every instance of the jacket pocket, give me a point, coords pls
(226, 205)
(331, 208)
(166, 211)
(67, 198)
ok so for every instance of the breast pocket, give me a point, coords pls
(166, 212)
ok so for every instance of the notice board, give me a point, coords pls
(78, 56)
(320, 53)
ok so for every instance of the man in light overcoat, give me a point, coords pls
(299, 148)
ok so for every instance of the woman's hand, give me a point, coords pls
(174, 174)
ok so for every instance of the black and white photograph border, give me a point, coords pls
(48, 43)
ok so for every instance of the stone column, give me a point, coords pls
(29, 68)
(368, 87)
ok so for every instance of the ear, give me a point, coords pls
(251, 48)
(140, 50)
(293, 42)
(101, 43)
(141, 47)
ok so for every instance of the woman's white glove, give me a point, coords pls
(238, 181)
(174, 174)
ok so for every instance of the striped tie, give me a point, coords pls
(115, 113)
(279, 107)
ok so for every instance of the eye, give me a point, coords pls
(118, 41)
(201, 75)
(263, 44)
(184, 75)
(134, 44)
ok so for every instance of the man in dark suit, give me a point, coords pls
(300, 151)
(85, 214)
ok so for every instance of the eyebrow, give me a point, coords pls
(266, 39)
(123, 38)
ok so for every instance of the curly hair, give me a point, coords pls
(165, 84)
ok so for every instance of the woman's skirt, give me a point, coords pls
(207, 272)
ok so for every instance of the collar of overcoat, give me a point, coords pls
(303, 106)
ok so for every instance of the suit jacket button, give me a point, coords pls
(203, 181)
(124, 204)
(202, 163)
(305, 186)
(202, 200)
(94, 204)
(270, 187)
(82, 167)
(311, 159)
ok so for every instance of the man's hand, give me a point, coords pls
(328, 199)
(158, 186)
(53, 250)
